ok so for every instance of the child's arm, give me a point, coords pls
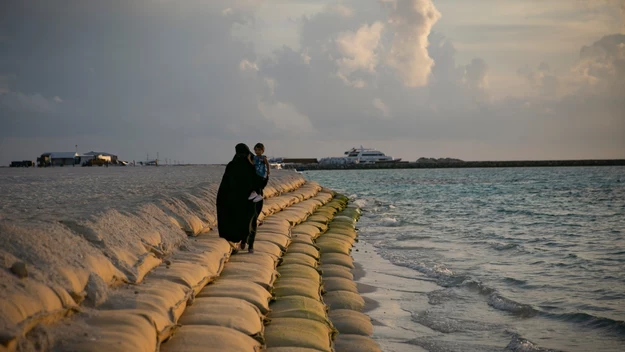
(249, 158)
(268, 167)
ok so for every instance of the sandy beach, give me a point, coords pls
(384, 286)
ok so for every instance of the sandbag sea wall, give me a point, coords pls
(68, 235)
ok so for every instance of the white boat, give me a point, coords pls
(360, 155)
(364, 155)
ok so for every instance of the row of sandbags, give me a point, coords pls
(298, 320)
(230, 314)
(341, 292)
(80, 261)
(139, 317)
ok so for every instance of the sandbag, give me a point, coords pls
(341, 217)
(307, 206)
(318, 218)
(213, 260)
(291, 349)
(339, 284)
(191, 275)
(299, 238)
(245, 290)
(263, 259)
(297, 287)
(160, 301)
(345, 231)
(312, 251)
(348, 321)
(228, 312)
(323, 197)
(263, 276)
(325, 211)
(333, 270)
(299, 271)
(355, 343)
(113, 331)
(344, 300)
(336, 204)
(334, 246)
(296, 332)
(300, 258)
(338, 259)
(306, 229)
(273, 205)
(316, 202)
(268, 247)
(36, 302)
(350, 214)
(336, 236)
(328, 208)
(206, 338)
(321, 226)
(299, 307)
(275, 226)
(280, 240)
(337, 224)
(293, 216)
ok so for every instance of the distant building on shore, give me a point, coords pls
(22, 163)
(112, 158)
(57, 159)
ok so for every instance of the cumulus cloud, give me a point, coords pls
(359, 51)
(247, 65)
(285, 118)
(475, 74)
(467, 84)
(341, 10)
(412, 21)
(383, 110)
(602, 64)
(18, 102)
(541, 79)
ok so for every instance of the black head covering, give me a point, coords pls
(242, 149)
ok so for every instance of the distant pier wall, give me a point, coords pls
(460, 164)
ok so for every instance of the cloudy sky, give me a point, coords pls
(472, 79)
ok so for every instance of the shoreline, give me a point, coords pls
(460, 164)
(384, 286)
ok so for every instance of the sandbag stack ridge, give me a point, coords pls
(230, 313)
(298, 319)
(138, 317)
(341, 293)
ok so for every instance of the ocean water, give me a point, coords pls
(525, 259)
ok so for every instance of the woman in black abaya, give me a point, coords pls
(235, 212)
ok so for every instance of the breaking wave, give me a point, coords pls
(519, 309)
(520, 344)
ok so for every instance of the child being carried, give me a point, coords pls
(262, 172)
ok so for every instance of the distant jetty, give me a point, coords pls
(455, 163)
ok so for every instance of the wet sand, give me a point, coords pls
(385, 287)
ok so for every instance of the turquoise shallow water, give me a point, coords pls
(527, 259)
